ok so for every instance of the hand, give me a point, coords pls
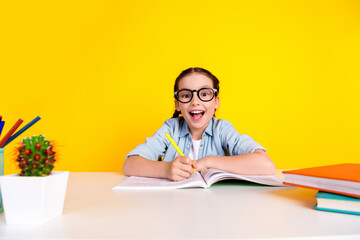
(181, 168)
(202, 164)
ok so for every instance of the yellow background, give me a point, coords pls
(100, 74)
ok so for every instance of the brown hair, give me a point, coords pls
(190, 71)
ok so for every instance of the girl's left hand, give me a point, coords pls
(201, 164)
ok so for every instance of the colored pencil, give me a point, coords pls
(22, 130)
(175, 145)
(10, 132)
(1, 126)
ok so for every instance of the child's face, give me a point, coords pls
(196, 112)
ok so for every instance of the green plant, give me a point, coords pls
(36, 156)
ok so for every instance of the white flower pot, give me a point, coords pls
(33, 200)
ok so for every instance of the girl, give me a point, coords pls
(205, 141)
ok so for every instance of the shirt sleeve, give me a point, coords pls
(154, 146)
(237, 143)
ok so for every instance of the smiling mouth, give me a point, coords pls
(197, 115)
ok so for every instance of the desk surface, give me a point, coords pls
(231, 210)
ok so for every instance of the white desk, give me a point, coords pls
(225, 211)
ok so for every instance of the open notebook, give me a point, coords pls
(204, 179)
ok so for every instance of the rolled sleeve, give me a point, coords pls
(237, 143)
(154, 146)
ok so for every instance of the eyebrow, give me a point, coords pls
(204, 86)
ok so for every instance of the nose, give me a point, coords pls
(195, 100)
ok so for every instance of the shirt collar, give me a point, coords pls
(185, 129)
(209, 128)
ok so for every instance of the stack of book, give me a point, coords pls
(338, 185)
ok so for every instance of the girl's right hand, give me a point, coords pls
(181, 168)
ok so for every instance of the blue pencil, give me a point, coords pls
(1, 126)
(22, 130)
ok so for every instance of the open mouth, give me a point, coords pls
(197, 115)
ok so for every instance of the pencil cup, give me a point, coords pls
(1, 173)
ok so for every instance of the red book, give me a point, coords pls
(340, 178)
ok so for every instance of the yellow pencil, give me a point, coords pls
(175, 146)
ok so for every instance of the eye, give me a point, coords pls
(205, 93)
(185, 95)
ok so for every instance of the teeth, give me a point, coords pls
(195, 112)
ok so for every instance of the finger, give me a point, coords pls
(200, 166)
(199, 169)
(185, 167)
(178, 174)
(186, 160)
(180, 169)
(184, 174)
(194, 164)
(178, 159)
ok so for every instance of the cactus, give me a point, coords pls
(36, 156)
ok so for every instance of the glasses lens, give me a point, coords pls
(206, 94)
(184, 96)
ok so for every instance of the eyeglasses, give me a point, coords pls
(204, 94)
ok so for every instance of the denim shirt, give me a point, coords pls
(220, 138)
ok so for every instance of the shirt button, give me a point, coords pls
(188, 146)
(201, 145)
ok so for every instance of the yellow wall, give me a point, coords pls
(100, 74)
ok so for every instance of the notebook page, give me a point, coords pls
(212, 176)
(133, 182)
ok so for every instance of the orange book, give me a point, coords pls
(340, 178)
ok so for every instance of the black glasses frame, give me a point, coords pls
(198, 94)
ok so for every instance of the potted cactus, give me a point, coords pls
(36, 156)
(37, 194)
